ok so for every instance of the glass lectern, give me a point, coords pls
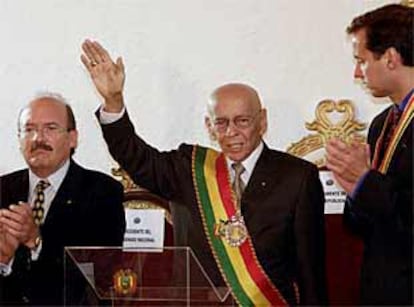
(138, 277)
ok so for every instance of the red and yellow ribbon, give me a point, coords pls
(404, 122)
(239, 266)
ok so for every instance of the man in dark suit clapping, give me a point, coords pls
(52, 204)
(378, 176)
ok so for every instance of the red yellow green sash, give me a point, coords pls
(239, 266)
(406, 118)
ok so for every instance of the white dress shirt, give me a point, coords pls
(109, 118)
(249, 163)
(55, 180)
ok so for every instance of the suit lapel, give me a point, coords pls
(23, 188)
(264, 176)
(16, 190)
(66, 195)
(405, 142)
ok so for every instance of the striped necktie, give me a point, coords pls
(238, 184)
(38, 209)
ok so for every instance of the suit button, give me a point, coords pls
(25, 299)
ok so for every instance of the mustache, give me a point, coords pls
(40, 145)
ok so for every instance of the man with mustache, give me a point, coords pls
(263, 234)
(40, 146)
(52, 204)
(378, 176)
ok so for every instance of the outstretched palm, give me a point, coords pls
(107, 75)
(108, 78)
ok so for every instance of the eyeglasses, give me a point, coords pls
(241, 122)
(48, 130)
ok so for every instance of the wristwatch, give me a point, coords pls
(37, 242)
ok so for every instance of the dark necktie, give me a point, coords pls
(238, 184)
(38, 210)
(390, 129)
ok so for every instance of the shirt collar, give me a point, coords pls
(404, 102)
(250, 162)
(54, 179)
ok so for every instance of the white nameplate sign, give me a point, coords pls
(144, 228)
(334, 195)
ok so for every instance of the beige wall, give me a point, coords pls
(176, 51)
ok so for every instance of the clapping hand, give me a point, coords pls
(348, 162)
(17, 221)
(8, 243)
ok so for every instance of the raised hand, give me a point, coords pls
(108, 76)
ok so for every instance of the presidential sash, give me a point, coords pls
(238, 264)
(403, 123)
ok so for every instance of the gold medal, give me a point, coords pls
(233, 231)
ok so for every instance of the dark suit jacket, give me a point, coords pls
(282, 206)
(381, 212)
(86, 211)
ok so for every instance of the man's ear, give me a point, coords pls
(209, 126)
(263, 121)
(73, 137)
(393, 58)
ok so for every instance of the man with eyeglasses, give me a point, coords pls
(52, 204)
(255, 215)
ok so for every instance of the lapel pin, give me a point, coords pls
(263, 183)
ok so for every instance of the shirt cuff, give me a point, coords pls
(36, 252)
(106, 118)
(6, 269)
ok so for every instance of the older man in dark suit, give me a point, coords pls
(378, 176)
(262, 234)
(52, 204)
